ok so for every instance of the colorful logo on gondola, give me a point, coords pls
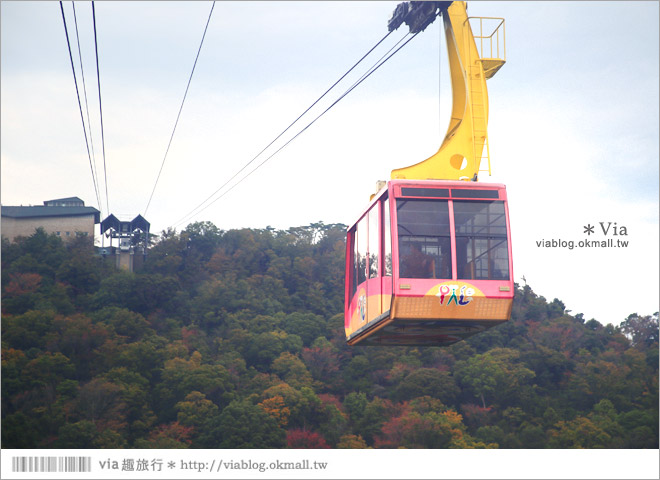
(362, 307)
(455, 293)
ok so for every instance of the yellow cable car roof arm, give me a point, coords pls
(462, 151)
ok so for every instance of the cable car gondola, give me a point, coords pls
(428, 262)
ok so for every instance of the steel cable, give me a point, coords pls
(366, 75)
(180, 110)
(98, 79)
(82, 118)
(89, 122)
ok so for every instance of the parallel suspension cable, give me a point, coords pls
(194, 211)
(283, 132)
(89, 123)
(375, 67)
(98, 79)
(82, 118)
(180, 109)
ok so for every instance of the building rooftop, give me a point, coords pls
(49, 211)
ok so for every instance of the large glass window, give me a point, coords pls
(387, 241)
(354, 262)
(424, 238)
(361, 253)
(374, 235)
(481, 240)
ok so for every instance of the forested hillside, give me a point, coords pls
(235, 340)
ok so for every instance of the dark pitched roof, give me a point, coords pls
(43, 211)
(141, 223)
(113, 222)
(110, 222)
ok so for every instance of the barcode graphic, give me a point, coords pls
(51, 464)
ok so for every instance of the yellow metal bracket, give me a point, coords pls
(461, 153)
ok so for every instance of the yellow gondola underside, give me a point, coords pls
(425, 321)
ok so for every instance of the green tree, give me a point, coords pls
(21, 292)
(532, 436)
(13, 362)
(29, 330)
(166, 257)
(352, 441)
(640, 428)
(335, 424)
(181, 377)
(195, 410)
(154, 292)
(367, 417)
(49, 369)
(100, 402)
(428, 381)
(134, 395)
(39, 253)
(77, 337)
(146, 357)
(243, 425)
(292, 401)
(355, 404)
(115, 290)
(81, 434)
(125, 323)
(167, 436)
(608, 377)
(641, 330)
(307, 326)
(292, 370)
(496, 373)
(357, 374)
(604, 416)
(21, 430)
(247, 250)
(580, 432)
(264, 348)
(203, 237)
(80, 269)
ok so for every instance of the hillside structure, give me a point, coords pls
(133, 237)
(64, 217)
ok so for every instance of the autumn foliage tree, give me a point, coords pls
(235, 339)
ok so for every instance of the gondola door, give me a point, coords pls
(357, 262)
(369, 261)
(386, 258)
(374, 305)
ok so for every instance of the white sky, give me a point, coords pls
(573, 122)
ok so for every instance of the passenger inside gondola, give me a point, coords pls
(417, 264)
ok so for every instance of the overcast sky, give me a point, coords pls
(573, 122)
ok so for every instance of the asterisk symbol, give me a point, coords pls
(589, 229)
(171, 465)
